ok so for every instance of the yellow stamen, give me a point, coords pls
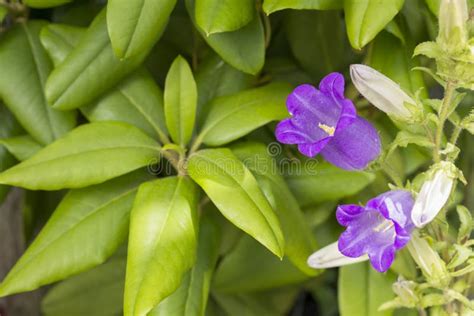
(328, 129)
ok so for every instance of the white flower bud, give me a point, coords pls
(330, 257)
(381, 91)
(430, 263)
(433, 195)
(453, 17)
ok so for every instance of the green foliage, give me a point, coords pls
(217, 16)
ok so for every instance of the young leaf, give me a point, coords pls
(270, 6)
(180, 101)
(366, 18)
(162, 242)
(91, 66)
(319, 182)
(45, 3)
(362, 290)
(97, 292)
(22, 147)
(466, 223)
(299, 242)
(238, 271)
(135, 26)
(231, 117)
(89, 154)
(216, 16)
(235, 192)
(86, 228)
(136, 100)
(190, 299)
(244, 49)
(25, 64)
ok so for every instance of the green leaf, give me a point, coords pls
(392, 59)
(190, 299)
(45, 3)
(433, 5)
(22, 147)
(97, 292)
(8, 127)
(429, 49)
(216, 16)
(180, 101)
(235, 192)
(250, 267)
(405, 138)
(244, 49)
(270, 6)
(89, 154)
(299, 242)
(215, 78)
(135, 26)
(162, 242)
(313, 183)
(86, 228)
(25, 64)
(315, 51)
(362, 290)
(136, 100)
(366, 18)
(231, 117)
(466, 223)
(3, 13)
(91, 66)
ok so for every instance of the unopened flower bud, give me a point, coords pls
(433, 194)
(430, 263)
(453, 17)
(330, 257)
(381, 91)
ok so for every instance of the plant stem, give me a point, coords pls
(443, 115)
(454, 137)
(196, 144)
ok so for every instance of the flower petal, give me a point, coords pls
(311, 150)
(287, 133)
(333, 85)
(345, 214)
(382, 259)
(354, 147)
(395, 205)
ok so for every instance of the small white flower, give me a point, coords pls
(381, 91)
(433, 195)
(330, 257)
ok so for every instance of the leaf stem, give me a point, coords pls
(443, 116)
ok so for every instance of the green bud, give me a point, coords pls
(453, 33)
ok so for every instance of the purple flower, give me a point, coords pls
(379, 229)
(324, 121)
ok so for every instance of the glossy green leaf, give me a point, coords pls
(244, 49)
(366, 18)
(215, 78)
(91, 66)
(390, 56)
(313, 183)
(235, 192)
(89, 154)
(135, 26)
(190, 299)
(317, 53)
(162, 242)
(136, 100)
(361, 290)
(270, 6)
(86, 228)
(250, 267)
(22, 147)
(45, 3)
(180, 101)
(231, 117)
(25, 64)
(299, 242)
(216, 16)
(97, 292)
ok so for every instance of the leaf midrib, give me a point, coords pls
(249, 196)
